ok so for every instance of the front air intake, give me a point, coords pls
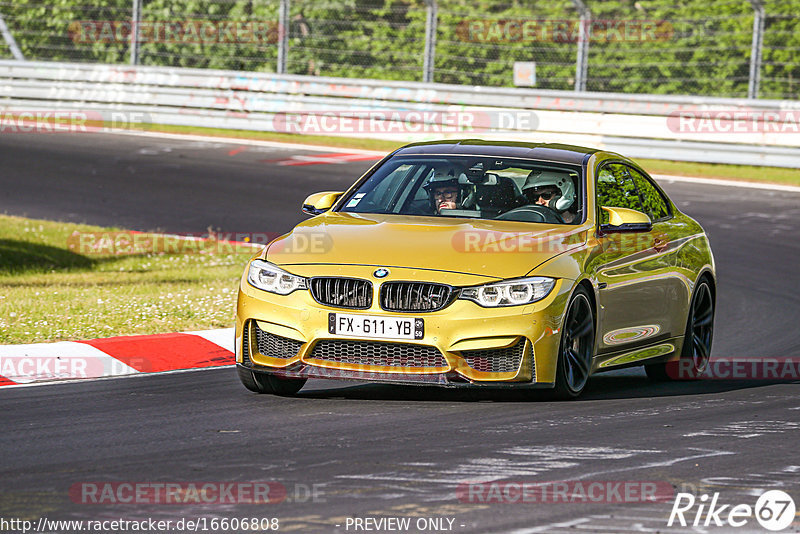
(375, 353)
(506, 360)
(276, 346)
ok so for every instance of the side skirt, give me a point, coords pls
(661, 351)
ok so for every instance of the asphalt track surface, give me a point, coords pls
(388, 451)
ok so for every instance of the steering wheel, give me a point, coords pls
(532, 213)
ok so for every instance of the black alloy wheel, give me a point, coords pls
(696, 352)
(576, 350)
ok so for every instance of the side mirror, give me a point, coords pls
(320, 202)
(625, 220)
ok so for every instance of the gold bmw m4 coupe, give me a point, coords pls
(481, 264)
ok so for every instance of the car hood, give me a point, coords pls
(498, 249)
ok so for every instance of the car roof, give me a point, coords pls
(509, 149)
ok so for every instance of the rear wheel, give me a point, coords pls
(696, 351)
(576, 350)
(266, 383)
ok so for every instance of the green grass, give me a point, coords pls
(746, 173)
(777, 175)
(49, 292)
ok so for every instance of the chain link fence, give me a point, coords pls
(363, 39)
(480, 47)
(644, 46)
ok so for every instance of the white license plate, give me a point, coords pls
(346, 324)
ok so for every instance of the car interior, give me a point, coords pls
(489, 188)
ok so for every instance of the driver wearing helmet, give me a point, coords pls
(444, 192)
(551, 189)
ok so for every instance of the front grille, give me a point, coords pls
(415, 296)
(276, 346)
(342, 292)
(378, 353)
(505, 360)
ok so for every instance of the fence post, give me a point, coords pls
(582, 60)
(10, 41)
(283, 36)
(135, 22)
(755, 51)
(431, 19)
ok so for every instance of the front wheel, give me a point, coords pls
(266, 383)
(576, 350)
(696, 351)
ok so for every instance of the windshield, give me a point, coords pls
(476, 187)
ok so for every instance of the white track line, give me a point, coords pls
(136, 375)
(253, 142)
(318, 148)
(728, 183)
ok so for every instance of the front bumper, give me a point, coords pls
(468, 338)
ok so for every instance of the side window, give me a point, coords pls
(616, 189)
(655, 206)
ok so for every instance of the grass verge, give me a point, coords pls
(49, 291)
(748, 173)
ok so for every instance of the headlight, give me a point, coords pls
(268, 277)
(509, 293)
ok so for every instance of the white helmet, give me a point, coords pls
(544, 177)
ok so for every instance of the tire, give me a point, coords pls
(576, 349)
(267, 383)
(697, 338)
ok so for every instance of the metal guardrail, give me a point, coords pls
(575, 44)
(637, 125)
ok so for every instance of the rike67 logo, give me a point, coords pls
(774, 510)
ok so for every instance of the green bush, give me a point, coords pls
(700, 48)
